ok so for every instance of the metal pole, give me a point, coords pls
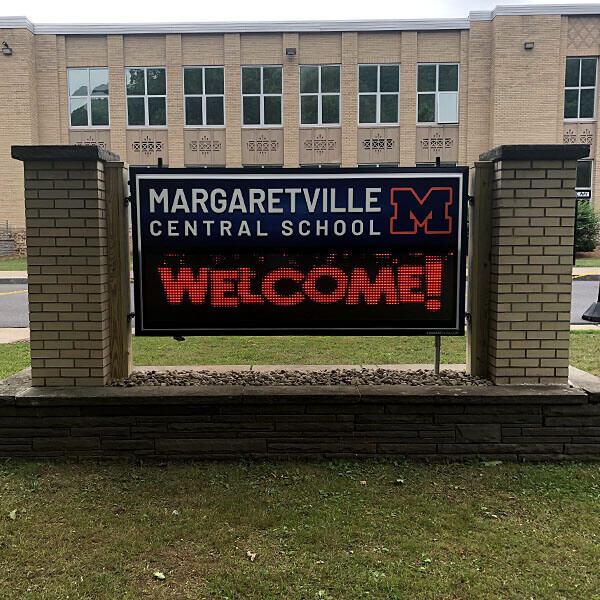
(438, 348)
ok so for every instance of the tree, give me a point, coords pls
(587, 233)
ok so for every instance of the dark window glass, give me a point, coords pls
(192, 81)
(426, 109)
(157, 84)
(367, 78)
(367, 109)
(586, 104)
(588, 71)
(389, 108)
(251, 80)
(271, 80)
(571, 104)
(272, 110)
(584, 174)
(157, 111)
(389, 77)
(135, 111)
(193, 110)
(251, 110)
(213, 79)
(79, 114)
(99, 111)
(309, 110)
(426, 78)
(135, 82)
(331, 109)
(330, 79)
(309, 80)
(214, 111)
(572, 72)
(448, 81)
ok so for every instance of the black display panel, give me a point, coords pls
(279, 251)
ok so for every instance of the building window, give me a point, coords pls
(580, 88)
(432, 164)
(261, 96)
(146, 96)
(88, 97)
(203, 91)
(583, 182)
(320, 95)
(437, 93)
(378, 94)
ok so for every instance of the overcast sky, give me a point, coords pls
(61, 11)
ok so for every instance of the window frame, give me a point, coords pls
(591, 186)
(145, 97)
(378, 95)
(204, 96)
(88, 98)
(319, 95)
(579, 88)
(261, 96)
(437, 94)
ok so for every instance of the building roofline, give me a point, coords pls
(297, 26)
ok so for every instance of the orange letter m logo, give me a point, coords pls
(412, 212)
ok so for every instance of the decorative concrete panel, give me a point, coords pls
(262, 146)
(90, 137)
(437, 140)
(580, 133)
(320, 145)
(583, 34)
(378, 145)
(204, 147)
(146, 146)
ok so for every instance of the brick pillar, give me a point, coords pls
(532, 226)
(67, 247)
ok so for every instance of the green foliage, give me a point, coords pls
(587, 234)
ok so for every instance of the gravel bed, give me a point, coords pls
(291, 377)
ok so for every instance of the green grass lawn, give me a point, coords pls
(13, 264)
(299, 531)
(587, 262)
(222, 350)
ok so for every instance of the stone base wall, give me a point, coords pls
(19, 237)
(500, 422)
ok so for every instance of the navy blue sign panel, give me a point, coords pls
(280, 251)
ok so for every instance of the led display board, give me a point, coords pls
(299, 251)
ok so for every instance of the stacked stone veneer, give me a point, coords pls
(532, 225)
(65, 208)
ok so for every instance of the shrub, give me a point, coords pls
(587, 234)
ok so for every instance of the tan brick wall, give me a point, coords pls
(530, 280)
(67, 272)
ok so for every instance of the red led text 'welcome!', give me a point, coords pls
(322, 285)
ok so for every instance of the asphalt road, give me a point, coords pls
(13, 303)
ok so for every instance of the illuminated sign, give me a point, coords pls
(315, 251)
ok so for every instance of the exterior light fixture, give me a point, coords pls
(528, 45)
(290, 51)
(6, 50)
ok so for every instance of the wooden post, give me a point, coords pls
(480, 237)
(118, 269)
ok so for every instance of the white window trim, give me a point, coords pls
(437, 93)
(261, 96)
(579, 88)
(319, 95)
(204, 96)
(89, 99)
(378, 95)
(145, 97)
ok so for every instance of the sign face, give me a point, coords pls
(585, 194)
(299, 251)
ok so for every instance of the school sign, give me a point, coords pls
(272, 251)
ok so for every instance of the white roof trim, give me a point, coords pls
(298, 26)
